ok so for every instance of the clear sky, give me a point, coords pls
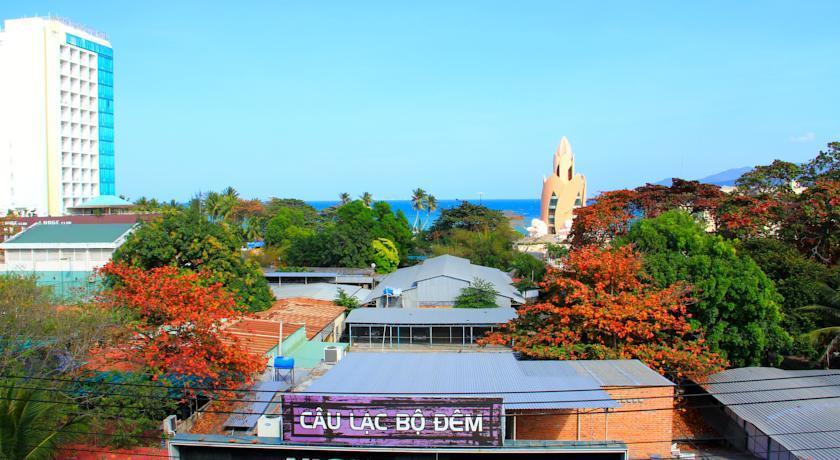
(308, 99)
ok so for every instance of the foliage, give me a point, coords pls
(736, 302)
(777, 178)
(385, 255)
(35, 424)
(187, 240)
(479, 294)
(418, 204)
(40, 338)
(556, 251)
(491, 248)
(343, 299)
(177, 328)
(347, 241)
(466, 216)
(130, 405)
(599, 223)
(690, 196)
(826, 311)
(528, 269)
(601, 305)
(287, 225)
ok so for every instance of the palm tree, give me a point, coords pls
(418, 204)
(254, 229)
(32, 428)
(344, 197)
(829, 311)
(366, 198)
(212, 205)
(431, 207)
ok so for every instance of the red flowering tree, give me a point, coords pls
(602, 221)
(176, 329)
(600, 305)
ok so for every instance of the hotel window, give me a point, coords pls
(570, 173)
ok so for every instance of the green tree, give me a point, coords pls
(431, 207)
(385, 255)
(34, 425)
(344, 197)
(491, 248)
(826, 337)
(479, 294)
(367, 199)
(187, 240)
(395, 227)
(528, 269)
(343, 299)
(287, 225)
(735, 301)
(466, 216)
(418, 204)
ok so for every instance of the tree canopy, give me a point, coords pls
(601, 305)
(188, 240)
(735, 301)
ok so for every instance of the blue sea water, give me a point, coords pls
(527, 208)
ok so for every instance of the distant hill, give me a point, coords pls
(722, 178)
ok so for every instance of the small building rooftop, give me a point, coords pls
(314, 314)
(318, 291)
(798, 409)
(104, 201)
(431, 316)
(260, 336)
(498, 375)
(46, 234)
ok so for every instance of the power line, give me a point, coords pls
(242, 390)
(617, 411)
(71, 392)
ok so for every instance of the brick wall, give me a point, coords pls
(645, 433)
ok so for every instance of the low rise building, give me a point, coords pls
(63, 256)
(778, 414)
(438, 281)
(413, 328)
(453, 406)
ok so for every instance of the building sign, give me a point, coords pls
(392, 421)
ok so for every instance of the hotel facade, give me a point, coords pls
(57, 116)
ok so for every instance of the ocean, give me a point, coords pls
(528, 209)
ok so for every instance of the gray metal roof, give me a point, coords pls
(450, 266)
(810, 405)
(408, 316)
(460, 374)
(320, 291)
(608, 372)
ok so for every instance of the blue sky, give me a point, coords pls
(309, 99)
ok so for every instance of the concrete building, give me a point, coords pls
(562, 191)
(63, 256)
(613, 409)
(437, 282)
(56, 116)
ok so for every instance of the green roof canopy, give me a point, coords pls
(104, 201)
(70, 233)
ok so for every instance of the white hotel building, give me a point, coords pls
(56, 116)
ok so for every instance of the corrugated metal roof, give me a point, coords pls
(301, 274)
(441, 316)
(451, 374)
(608, 372)
(320, 291)
(69, 233)
(446, 265)
(783, 401)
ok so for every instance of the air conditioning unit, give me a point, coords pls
(332, 355)
(269, 426)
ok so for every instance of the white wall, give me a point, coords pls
(52, 260)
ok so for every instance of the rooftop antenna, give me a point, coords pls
(480, 196)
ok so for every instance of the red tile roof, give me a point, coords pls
(315, 314)
(260, 335)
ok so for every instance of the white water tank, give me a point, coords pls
(332, 354)
(269, 426)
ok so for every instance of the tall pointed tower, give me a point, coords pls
(562, 191)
